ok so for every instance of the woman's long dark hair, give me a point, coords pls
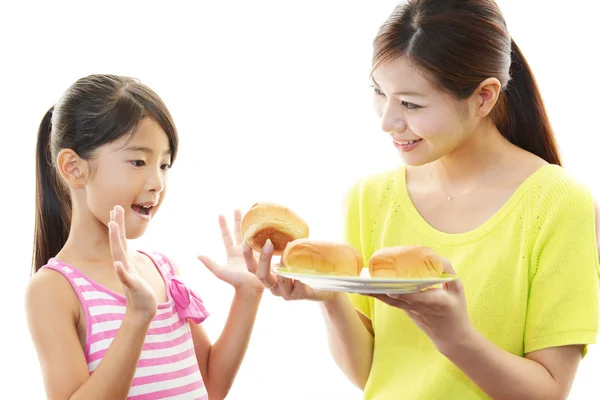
(460, 43)
(94, 111)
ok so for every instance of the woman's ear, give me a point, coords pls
(486, 96)
(72, 168)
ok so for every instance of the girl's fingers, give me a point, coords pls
(122, 274)
(237, 227)
(120, 220)
(226, 235)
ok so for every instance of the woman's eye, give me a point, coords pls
(138, 163)
(166, 167)
(410, 106)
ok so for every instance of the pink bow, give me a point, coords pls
(187, 303)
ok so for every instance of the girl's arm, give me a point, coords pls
(220, 362)
(52, 313)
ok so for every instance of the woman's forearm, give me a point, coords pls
(350, 342)
(500, 374)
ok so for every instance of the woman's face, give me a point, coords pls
(424, 122)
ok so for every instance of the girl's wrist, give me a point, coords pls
(140, 320)
(252, 293)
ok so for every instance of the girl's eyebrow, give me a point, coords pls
(145, 150)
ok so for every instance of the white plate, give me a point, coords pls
(364, 283)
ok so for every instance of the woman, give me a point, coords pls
(484, 188)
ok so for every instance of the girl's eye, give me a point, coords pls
(166, 167)
(410, 106)
(138, 163)
(377, 91)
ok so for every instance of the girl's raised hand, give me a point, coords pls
(141, 302)
(234, 272)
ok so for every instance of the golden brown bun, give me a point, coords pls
(272, 221)
(305, 255)
(410, 262)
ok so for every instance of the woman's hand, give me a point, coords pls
(141, 301)
(441, 313)
(288, 289)
(234, 272)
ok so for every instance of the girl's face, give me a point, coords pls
(424, 122)
(130, 172)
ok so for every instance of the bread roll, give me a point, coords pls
(305, 255)
(272, 221)
(408, 262)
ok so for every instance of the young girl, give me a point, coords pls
(483, 187)
(109, 322)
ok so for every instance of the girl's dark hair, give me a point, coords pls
(460, 43)
(94, 111)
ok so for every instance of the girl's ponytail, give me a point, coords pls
(53, 204)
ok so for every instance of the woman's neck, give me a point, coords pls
(473, 163)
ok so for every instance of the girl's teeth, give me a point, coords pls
(144, 210)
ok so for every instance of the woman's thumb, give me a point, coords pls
(455, 285)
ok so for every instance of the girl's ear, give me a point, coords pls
(72, 168)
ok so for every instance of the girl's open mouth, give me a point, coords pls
(143, 211)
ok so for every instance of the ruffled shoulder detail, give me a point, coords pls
(187, 303)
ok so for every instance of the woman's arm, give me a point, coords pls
(349, 334)
(442, 315)
(350, 338)
(543, 374)
(597, 223)
(546, 374)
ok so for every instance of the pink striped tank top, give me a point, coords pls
(167, 368)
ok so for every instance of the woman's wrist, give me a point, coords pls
(332, 300)
(465, 339)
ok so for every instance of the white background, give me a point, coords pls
(272, 103)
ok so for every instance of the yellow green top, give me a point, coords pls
(530, 275)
